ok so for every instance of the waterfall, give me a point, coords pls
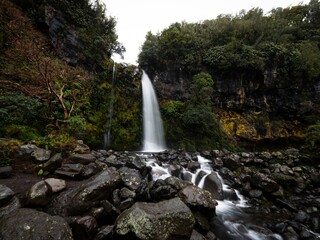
(153, 136)
(107, 133)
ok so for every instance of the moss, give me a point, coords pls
(8, 148)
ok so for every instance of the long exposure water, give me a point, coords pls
(153, 135)
(232, 221)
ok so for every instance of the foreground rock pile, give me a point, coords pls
(119, 200)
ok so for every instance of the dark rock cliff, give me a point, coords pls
(64, 38)
(256, 108)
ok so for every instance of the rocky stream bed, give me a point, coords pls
(117, 195)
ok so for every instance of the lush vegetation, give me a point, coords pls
(249, 46)
(44, 98)
(286, 39)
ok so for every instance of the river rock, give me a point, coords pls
(104, 233)
(10, 207)
(39, 194)
(29, 224)
(264, 183)
(27, 149)
(81, 148)
(80, 199)
(56, 185)
(70, 170)
(84, 228)
(53, 163)
(212, 183)
(131, 178)
(5, 171)
(41, 155)
(159, 221)
(198, 199)
(82, 158)
(6, 194)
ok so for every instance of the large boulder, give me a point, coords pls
(53, 163)
(29, 224)
(82, 158)
(167, 219)
(6, 194)
(39, 194)
(41, 155)
(80, 199)
(198, 199)
(8, 202)
(212, 183)
(5, 171)
(266, 184)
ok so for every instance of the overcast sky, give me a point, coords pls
(136, 17)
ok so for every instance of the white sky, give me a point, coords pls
(136, 17)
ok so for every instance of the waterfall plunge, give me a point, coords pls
(153, 136)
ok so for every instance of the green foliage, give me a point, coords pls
(58, 142)
(17, 108)
(21, 132)
(313, 136)
(8, 148)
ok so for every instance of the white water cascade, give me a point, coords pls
(232, 221)
(153, 136)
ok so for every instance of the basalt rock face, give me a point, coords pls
(64, 38)
(252, 107)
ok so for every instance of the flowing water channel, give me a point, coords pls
(232, 221)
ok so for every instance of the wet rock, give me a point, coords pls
(161, 190)
(5, 172)
(125, 193)
(262, 181)
(255, 193)
(112, 161)
(290, 234)
(39, 194)
(212, 183)
(193, 166)
(70, 170)
(53, 163)
(80, 199)
(6, 194)
(105, 233)
(89, 170)
(202, 222)
(30, 224)
(232, 161)
(136, 163)
(41, 155)
(315, 177)
(12, 205)
(131, 178)
(163, 220)
(301, 216)
(27, 149)
(81, 148)
(198, 199)
(110, 212)
(176, 183)
(125, 204)
(196, 236)
(210, 236)
(56, 185)
(82, 158)
(84, 228)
